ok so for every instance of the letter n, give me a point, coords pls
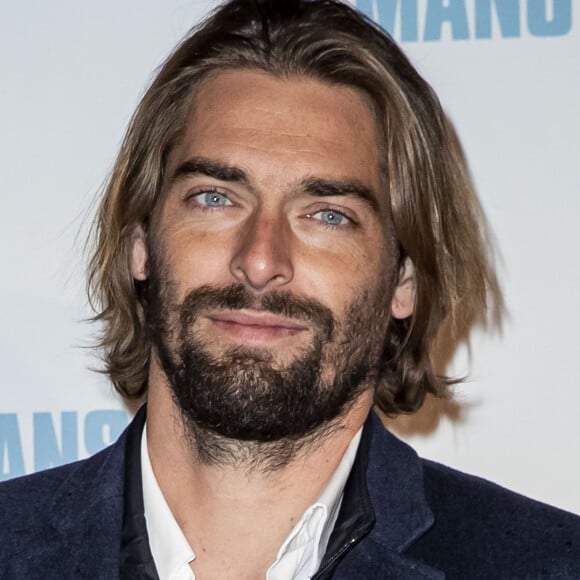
(47, 452)
(508, 15)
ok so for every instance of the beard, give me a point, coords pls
(243, 406)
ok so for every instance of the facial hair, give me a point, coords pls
(241, 405)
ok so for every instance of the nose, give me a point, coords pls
(262, 260)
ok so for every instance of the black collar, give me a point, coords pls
(355, 518)
(136, 558)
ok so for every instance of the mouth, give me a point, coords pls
(254, 327)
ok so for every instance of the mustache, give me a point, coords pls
(238, 297)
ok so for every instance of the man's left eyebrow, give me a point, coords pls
(325, 188)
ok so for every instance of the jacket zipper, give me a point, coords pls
(338, 554)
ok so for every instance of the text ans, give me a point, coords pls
(413, 20)
(52, 445)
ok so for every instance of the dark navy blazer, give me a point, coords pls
(431, 522)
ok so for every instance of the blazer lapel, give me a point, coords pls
(396, 490)
(87, 512)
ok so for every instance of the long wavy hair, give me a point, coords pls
(435, 214)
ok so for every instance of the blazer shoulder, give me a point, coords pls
(481, 526)
(65, 522)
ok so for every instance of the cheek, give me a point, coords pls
(339, 279)
(197, 259)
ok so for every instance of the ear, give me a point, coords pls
(139, 260)
(403, 302)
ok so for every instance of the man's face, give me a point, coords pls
(269, 257)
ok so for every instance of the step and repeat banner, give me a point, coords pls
(508, 74)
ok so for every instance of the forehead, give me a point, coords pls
(261, 122)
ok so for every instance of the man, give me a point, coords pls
(287, 225)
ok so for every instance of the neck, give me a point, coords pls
(244, 499)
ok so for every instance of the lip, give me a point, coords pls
(257, 319)
(255, 328)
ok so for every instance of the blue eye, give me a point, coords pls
(331, 217)
(212, 199)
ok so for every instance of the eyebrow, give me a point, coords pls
(209, 168)
(326, 188)
(314, 186)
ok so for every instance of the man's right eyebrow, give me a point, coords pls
(209, 168)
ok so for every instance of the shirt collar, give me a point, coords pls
(169, 547)
(301, 553)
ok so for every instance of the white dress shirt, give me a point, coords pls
(298, 558)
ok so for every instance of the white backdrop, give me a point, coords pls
(508, 75)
